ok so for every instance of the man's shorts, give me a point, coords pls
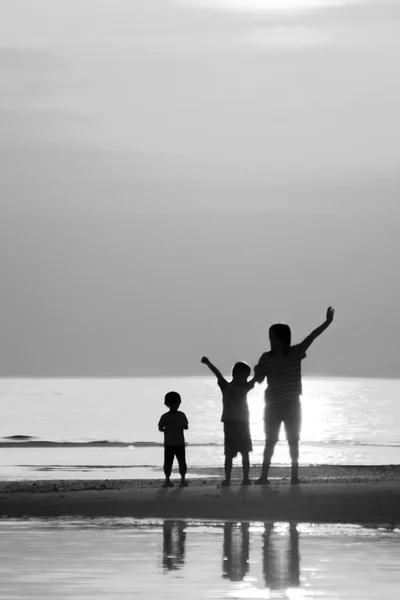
(287, 412)
(237, 438)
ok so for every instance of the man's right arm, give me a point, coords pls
(260, 368)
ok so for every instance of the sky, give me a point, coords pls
(176, 176)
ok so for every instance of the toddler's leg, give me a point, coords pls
(181, 458)
(168, 461)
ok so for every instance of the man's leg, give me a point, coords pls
(268, 454)
(293, 428)
(272, 423)
(294, 455)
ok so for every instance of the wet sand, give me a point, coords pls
(327, 494)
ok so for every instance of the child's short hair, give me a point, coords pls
(283, 333)
(241, 368)
(172, 399)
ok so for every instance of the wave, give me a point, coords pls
(17, 438)
(35, 443)
(26, 441)
(87, 467)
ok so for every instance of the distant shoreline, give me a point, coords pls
(196, 376)
(202, 475)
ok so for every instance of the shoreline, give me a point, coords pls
(329, 494)
(279, 475)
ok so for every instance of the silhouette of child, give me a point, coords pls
(282, 368)
(172, 424)
(235, 417)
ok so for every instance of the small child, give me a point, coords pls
(235, 417)
(172, 424)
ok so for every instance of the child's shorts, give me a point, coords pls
(287, 412)
(170, 452)
(237, 438)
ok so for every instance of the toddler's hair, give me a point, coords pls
(241, 368)
(172, 399)
(283, 333)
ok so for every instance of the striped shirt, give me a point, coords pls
(283, 374)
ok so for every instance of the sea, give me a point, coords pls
(106, 428)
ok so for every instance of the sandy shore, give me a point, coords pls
(339, 494)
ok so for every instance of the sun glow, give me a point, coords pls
(278, 6)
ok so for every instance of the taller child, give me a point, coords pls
(235, 417)
(282, 368)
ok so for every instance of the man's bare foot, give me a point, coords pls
(246, 482)
(295, 481)
(183, 483)
(226, 483)
(167, 484)
(263, 480)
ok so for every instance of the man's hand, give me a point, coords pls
(205, 360)
(329, 315)
(258, 374)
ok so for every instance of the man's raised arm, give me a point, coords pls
(306, 343)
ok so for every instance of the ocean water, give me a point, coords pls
(122, 558)
(107, 428)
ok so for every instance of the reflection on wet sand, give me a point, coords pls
(174, 539)
(281, 558)
(235, 563)
(280, 553)
(180, 559)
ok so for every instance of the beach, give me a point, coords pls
(327, 494)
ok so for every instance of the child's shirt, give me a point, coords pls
(173, 425)
(234, 401)
(283, 374)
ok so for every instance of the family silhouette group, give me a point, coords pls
(280, 552)
(281, 367)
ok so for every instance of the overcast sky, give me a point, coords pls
(178, 175)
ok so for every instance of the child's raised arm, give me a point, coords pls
(306, 343)
(217, 373)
